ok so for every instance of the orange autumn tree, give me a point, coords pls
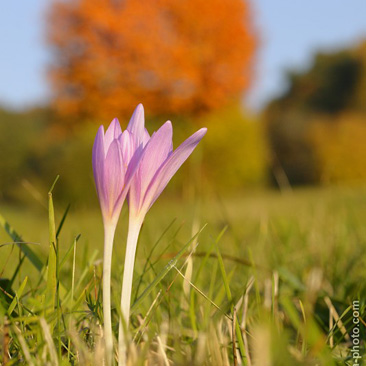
(175, 56)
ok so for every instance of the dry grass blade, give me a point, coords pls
(331, 324)
(202, 294)
(145, 320)
(338, 320)
(235, 356)
(244, 319)
(49, 341)
(24, 346)
(189, 268)
(162, 352)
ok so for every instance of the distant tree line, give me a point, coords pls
(314, 133)
(318, 119)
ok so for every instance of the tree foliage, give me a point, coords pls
(339, 148)
(235, 151)
(334, 85)
(177, 57)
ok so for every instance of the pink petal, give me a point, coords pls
(133, 180)
(134, 194)
(155, 153)
(98, 161)
(136, 124)
(113, 131)
(113, 176)
(146, 137)
(170, 167)
(127, 144)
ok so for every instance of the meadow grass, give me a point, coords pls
(261, 278)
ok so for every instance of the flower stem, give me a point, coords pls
(132, 237)
(109, 230)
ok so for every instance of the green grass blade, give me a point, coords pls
(68, 297)
(51, 286)
(17, 296)
(51, 274)
(291, 312)
(69, 251)
(61, 224)
(164, 272)
(27, 251)
(222, 266)
(207, 312)
(17, 269)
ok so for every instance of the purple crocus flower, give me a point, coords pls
(115, 160)
(157, 166)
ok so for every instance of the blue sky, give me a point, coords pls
(290, 32)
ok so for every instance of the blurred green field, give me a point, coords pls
(272, 228)
(301, 247)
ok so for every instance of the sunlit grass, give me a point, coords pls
(266, 271)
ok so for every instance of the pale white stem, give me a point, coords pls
(132, 237)
(109, 230)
